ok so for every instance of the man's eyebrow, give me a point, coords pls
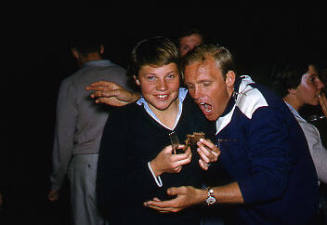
(204, 80)
(188, 83)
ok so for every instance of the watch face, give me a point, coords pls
(210, 200)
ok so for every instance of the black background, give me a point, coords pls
(38, 58)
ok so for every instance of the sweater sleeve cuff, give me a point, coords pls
(156, 179)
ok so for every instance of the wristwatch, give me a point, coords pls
(210, 199)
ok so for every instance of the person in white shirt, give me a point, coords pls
(300, 86)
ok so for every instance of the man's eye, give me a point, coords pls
(150, 77)
(206, 84)
(189, 86)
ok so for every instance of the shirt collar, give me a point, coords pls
(181, 97)
(241, 86)
(237, 90)
(101, 62)
(295, 113)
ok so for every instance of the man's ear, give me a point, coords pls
(137, 81)
(230, 79)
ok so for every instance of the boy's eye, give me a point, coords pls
(170, 76)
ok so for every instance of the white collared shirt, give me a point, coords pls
(317, 150)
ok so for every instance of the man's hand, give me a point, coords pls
(186, 196)
(111, 93)
(208, 153)
(323, 103)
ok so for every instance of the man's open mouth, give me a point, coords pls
(205, 107)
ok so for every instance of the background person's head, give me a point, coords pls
(87, 50)
(154, 67)
(188, 39)
(299, 85)
(210, 75)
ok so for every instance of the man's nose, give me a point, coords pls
(196, 93)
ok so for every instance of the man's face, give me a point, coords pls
(187, 43)
(208, 88)
(159, 85)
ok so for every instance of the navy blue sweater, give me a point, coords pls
(264, 149)
(132, 138)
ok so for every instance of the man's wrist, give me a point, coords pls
(135, 96)
(211, 199)
(202, 195)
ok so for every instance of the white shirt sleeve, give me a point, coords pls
(317, 150)
(156, 179)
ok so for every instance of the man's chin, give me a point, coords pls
(210, 116)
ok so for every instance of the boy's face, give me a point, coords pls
(159, 85)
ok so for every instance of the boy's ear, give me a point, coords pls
(136, 80)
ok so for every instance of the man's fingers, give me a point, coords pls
(156, 199)
(104, 93)
(208, 151)
(207, 143)
(203, 164)
(152, 205)
(110, 101)
(163, 210)
(96, 85)
(208, 155)
(103, 84)
(164, 206)
(204, 154)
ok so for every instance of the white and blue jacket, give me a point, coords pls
(264, 149)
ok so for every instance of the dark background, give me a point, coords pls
(39, 58)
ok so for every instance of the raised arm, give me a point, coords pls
(111, 93)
